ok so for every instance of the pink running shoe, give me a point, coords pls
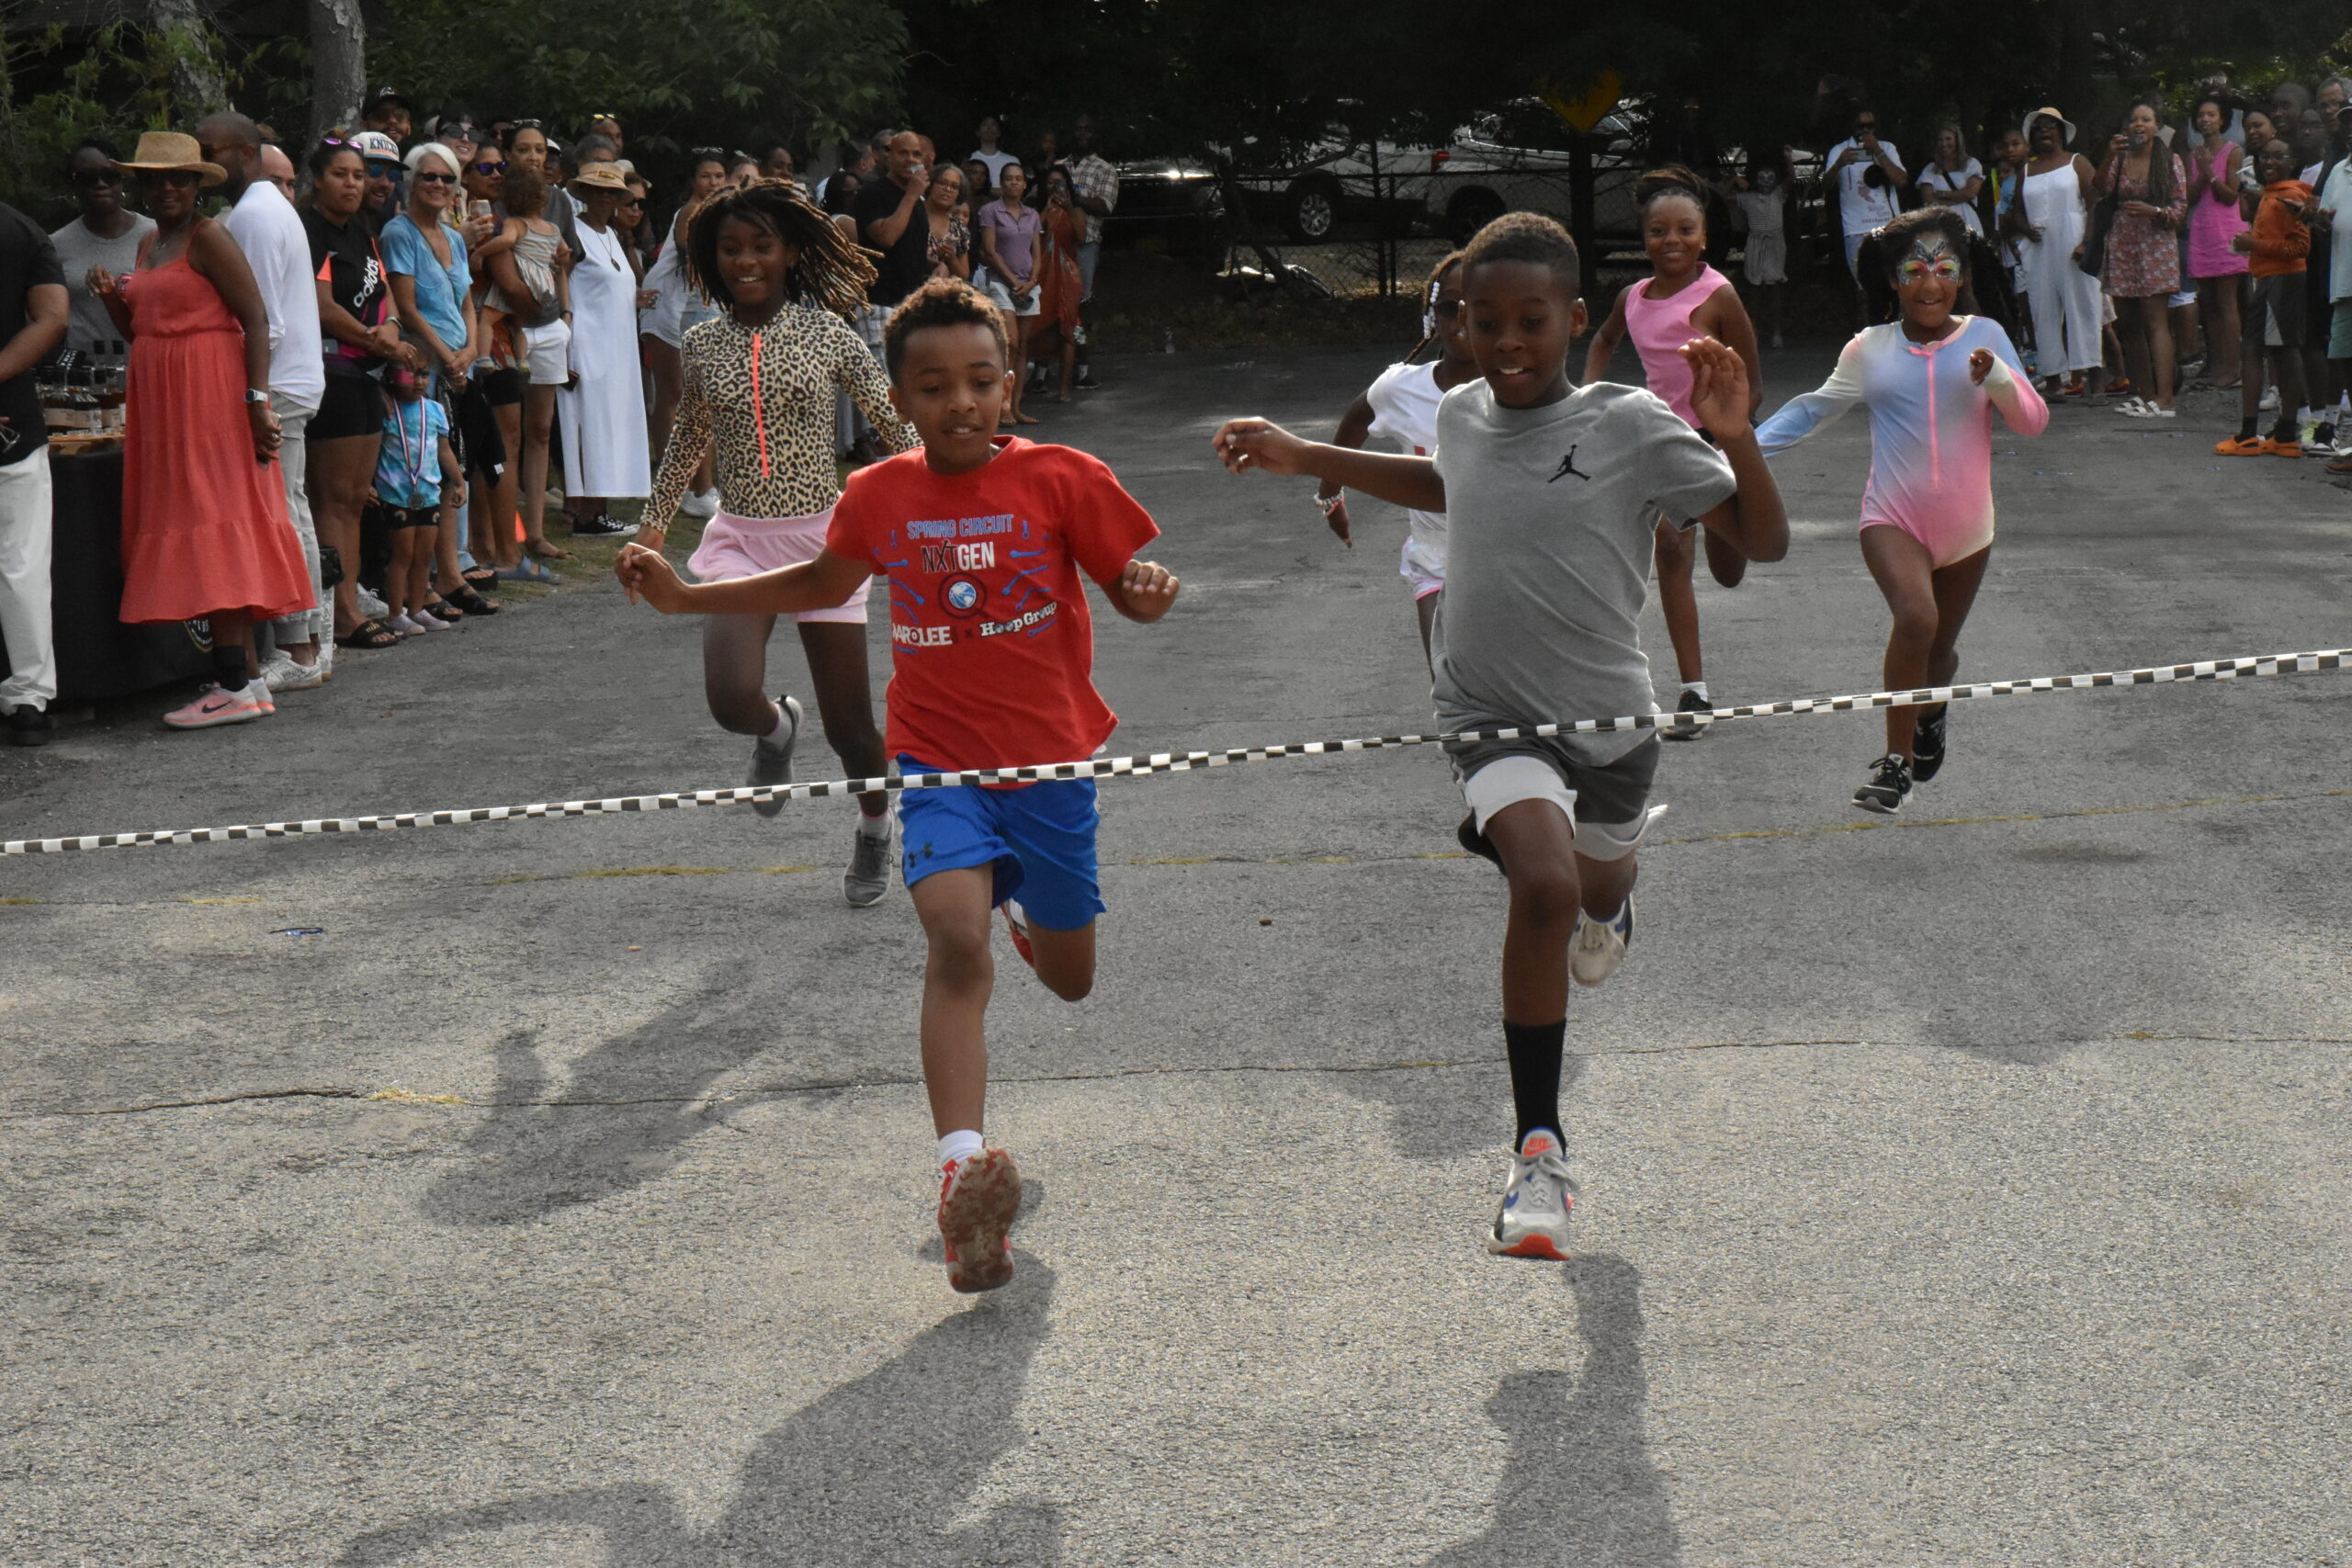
(978, 1195)
(215, 707)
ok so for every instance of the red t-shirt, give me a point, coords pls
(992, 646)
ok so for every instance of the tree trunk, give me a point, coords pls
(338, 66)
(198, 88)
(2076, 21)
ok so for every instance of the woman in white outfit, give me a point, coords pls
(604, 452)
(2050, 222)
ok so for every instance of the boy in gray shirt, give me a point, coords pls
(1552, 493)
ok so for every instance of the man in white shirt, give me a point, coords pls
(269, 231)
(1866, 174)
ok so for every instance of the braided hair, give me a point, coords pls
(1430, 290)
(830, 271)
(1672, 180)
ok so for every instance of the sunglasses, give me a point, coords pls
(167, 176)
(430, 179)
(96, 177)
(514, 124)
(487, 169)
(701, 152)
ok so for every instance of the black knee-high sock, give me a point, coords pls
(1534, 1050)
(229, 667)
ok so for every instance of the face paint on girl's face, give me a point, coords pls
(1930, 255)
(1766, 179)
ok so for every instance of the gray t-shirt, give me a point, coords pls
(1552, 513)
(78, 251)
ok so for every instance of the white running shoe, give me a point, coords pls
(1533, 1219)
(2269, 403)
(772, 758)
(371, 605)
(282, 674)
(868, 878)
(1599, 946)
(700, 503)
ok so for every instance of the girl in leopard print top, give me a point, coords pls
(761, 378)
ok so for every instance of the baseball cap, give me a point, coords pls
(383, 96)
(377, 147)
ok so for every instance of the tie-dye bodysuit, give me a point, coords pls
(1931, 430)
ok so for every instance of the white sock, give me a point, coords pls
(782, 731)
(2303, 414)
(957, 1146)
(1698, 689)
(877, 826)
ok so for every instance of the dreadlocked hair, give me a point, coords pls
(1446, 263)
(830, 271)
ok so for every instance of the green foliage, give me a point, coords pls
(115, 82)
(678, 72)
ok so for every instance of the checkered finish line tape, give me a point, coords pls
(1184, 761)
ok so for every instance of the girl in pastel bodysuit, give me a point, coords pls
(1932, 381)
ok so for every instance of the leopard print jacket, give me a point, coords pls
(775, 453)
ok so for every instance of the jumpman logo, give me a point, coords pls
(1568, 467)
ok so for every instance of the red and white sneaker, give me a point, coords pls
(978, 1195)
(215, 706)
(1533, 1219)
(1016, 921)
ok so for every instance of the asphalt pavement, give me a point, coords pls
(1966, 1189)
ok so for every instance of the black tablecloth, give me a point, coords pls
(97, 656)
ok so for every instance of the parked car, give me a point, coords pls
(1518, 160)
(1311, 189)
(1167, 204)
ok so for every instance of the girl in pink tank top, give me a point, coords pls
(1683, 298)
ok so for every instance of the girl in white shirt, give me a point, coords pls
(1401, 403)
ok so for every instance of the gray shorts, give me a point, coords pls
(1607, 803)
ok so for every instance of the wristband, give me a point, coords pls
(1327, 504)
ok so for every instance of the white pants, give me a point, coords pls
(310, 625)
(24, 584)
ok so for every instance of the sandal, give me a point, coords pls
(540, 549)
(527, 570)
(482, 577)
(443, 610)
(469, 602)
(370, 633)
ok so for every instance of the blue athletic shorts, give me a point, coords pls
(1039, 838)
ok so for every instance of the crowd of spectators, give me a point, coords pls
(2210, 250)
(355, 387)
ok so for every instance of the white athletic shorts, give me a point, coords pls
(548, 351)
(1511, 779)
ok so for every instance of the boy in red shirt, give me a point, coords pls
(982, 539)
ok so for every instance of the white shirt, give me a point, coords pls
(1954, 181)
(2337, 199)
(1864, 207)
(1404, 408)
(996, 162)
(269, 231)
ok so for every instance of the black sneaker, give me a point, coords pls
(1478, 843)
(29, 726)
(1889, 787)
(602, 527)
(1086, 382)
(1928, 745)
(1691, 702)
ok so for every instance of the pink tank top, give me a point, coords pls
(1660, 327)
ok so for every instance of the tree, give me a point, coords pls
(338, 64)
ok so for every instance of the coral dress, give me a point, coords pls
(204, 526)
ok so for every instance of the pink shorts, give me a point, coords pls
(744, 547)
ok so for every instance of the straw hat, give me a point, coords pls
(2065, 125)
(163, 150)
(600, 176)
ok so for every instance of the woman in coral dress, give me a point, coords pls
(204, 533)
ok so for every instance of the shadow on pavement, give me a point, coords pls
(638, 1100)
(876, 1471)
(1579, 1480)
(1461, 1110)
